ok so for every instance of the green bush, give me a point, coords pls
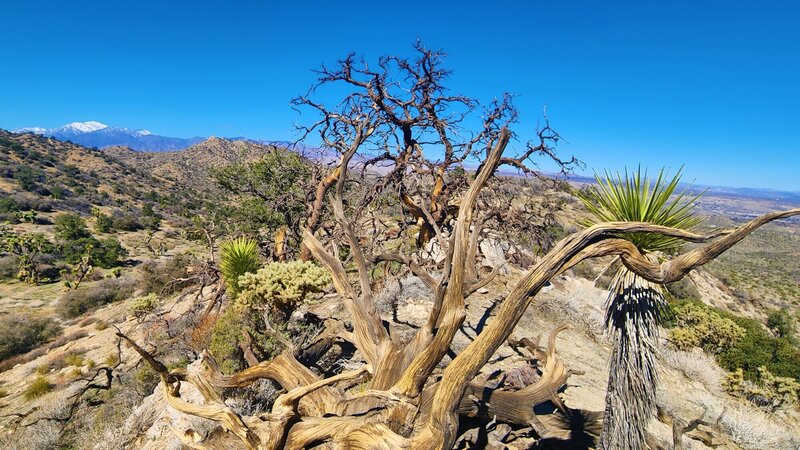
(22, 332)
(270, 192)
(109, 253)
(782, 324)
(697, 325)
(25, 216)
(228, 332)
(105, 253)
(103, 223)
(759, 348)
(71, 227)
(28, 178)
(746, 344)
(76, 302)
(238, 257)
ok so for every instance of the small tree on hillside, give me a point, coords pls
(272, 197)
(398, 131)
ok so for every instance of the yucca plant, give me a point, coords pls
(635, 306)
(238, 257)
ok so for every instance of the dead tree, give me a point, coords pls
(400, 114)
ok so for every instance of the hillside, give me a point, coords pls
(190, 167)
(40, 173)
(68, 380)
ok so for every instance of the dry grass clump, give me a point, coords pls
(38, 387)
(696, 365)
(756, 430)
(73, 359)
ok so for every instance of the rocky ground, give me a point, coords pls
(690, 381)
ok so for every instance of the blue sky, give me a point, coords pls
(712, 85)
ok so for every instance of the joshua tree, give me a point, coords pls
(398, 113)
(634, 303)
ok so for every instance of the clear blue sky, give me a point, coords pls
(714, 85)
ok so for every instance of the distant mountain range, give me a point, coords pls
(96, 134)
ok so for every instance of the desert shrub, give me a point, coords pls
(25, 216)
(699, 326)
(238, 257)
(109, 253)
(145, 379)
(21, 332)
(105, 253)
(159, 276)
(28, 178)
(782, 324)
(70, 227)
(9, 267)
(111, 360)
(141, 306)
(38, 352)
(28, 248)
(696, 365)
(281, 181)
(38, 387)
(103, 223)
(26, 201)
(767, 390)
(281, 286)
(753, 429)
(149, 218)
(126, 222)
(759, 348)
(229, 331)
(8, 205)
(76, 302)
(199, 338)
(278, 288)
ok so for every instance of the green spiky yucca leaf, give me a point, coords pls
(238, 257)
(635, 306)
(636, 198)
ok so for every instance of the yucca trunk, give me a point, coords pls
(633, 309)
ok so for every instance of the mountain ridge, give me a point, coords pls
(100, 135)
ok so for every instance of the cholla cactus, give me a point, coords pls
(141, 306)
(768, 391)
(281, 285)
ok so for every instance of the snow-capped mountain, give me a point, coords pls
(96, 134)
